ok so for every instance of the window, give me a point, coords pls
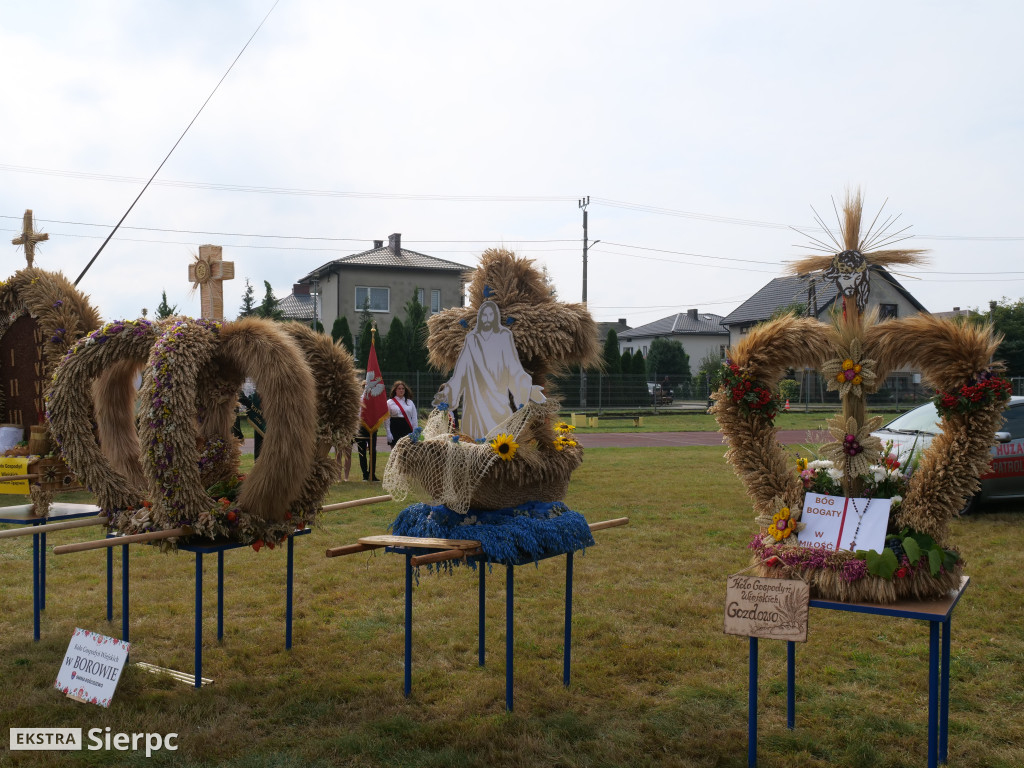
(435, 301)
(419, 296)
(721, 351)
(887, 311)
(379, 298)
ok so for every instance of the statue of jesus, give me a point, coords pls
(488, 377)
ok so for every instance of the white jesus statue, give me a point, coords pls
(488, 377)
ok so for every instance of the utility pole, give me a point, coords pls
(583, 203)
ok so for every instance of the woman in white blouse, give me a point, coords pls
(402, 413)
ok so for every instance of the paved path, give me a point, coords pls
(655, 439)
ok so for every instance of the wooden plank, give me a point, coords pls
(448, 554)
(182, 677)
(351, 549)
(34, 529)
(357, 503)
(418, 542)
(613, 523)
(116, 541)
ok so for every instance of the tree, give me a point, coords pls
(668, 359)
(612, 358)
(626, 362)
(1007, 318)
(317, 326)
(416, 332)
(395, 357)
(341, 332)
(794, 308)
(710, 372)
(365, 326)
(269, 308)
(248, 301)
(164, 309)
(639, 365)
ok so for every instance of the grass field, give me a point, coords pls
(655, 680)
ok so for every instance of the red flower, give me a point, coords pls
(257, 545)
(902, 572)
(772, 561)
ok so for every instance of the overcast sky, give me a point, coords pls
(701, 132)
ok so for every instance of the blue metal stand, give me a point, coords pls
(509, 618)
(199, 550)
(482, 568)
(937, 613)
(39, 557)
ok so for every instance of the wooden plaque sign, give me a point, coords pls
(770, 608)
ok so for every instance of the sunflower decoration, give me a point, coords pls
(850, 373)
(855, 450)
(505, 446)
(780, 527)
(562, 442)
(564, 428)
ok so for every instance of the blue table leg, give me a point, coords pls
(790, 684)
(944, 694)
(508, 636)
(220, 595)
(124, 592)
(42, 572)
(933, 694)
(199, 620)
(483, 591)
(408, 624)
(567, 649)
(752, 706)
(35, 587)
(110, 583)
(288, 595)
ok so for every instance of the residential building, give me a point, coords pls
(886, 295)
(700, 333)
(384, 279)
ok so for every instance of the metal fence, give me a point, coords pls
(597, 392)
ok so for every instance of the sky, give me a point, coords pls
(703, 134)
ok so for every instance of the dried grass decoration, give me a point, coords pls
(192, 371)
(954, 358)
(62, 315)
(484, 472)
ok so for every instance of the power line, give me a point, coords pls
(622, 204)
(104, 245)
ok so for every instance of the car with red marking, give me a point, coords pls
(913, 432)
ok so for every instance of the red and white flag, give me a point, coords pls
(374, 409)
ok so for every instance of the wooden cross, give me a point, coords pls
(29, 238)
(208, 272)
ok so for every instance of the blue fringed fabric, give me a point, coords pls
(511, 536)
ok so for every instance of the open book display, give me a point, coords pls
(172, 469)
(493, 443)
(855, 353)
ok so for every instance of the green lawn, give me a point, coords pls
(655, 680)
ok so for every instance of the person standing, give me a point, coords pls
(401, 412)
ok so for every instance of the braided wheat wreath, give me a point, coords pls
(154, 470)
(949, 356)
(855, 352)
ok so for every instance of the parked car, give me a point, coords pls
(659, 395)
(914, 430)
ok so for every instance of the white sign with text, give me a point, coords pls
(837, 522)
(91, 668)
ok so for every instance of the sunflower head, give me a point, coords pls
(505, 446)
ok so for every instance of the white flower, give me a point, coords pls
(835, 474)
(877, 473)
(896, 499)
(821, 464)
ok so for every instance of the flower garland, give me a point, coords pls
(988, 390)
(753, 398)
